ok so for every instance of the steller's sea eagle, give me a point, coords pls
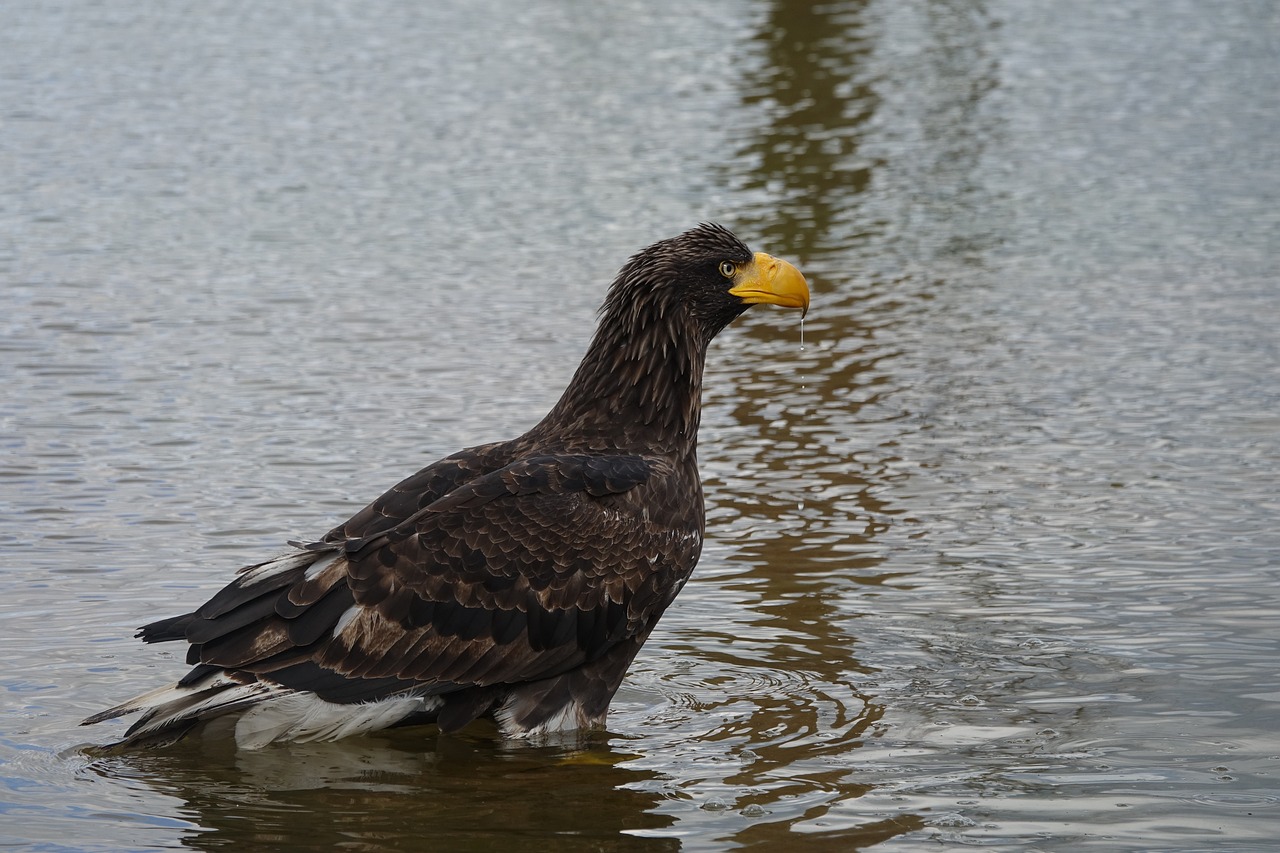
(516, 579)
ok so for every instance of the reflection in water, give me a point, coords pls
(759, 668)
(804, 466)
(389, 793)
(801, 168)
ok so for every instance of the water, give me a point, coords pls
(992, 560)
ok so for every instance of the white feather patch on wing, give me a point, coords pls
(320, 565)
(306, 717)
(348, 616)
(284, 563)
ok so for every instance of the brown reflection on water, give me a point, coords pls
(804, 461)
(802, 483)
(802, 163)
(884, 213)
(766, 667)
(403, 791)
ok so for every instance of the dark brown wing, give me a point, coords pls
(515, 576)
(521, 574)
(414, 493)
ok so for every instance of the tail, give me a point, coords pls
(208, 690)
(267, 712)
(245, 636)
(170, 712)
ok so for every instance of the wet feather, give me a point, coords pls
(516, 579)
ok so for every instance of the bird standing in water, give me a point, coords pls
(516, 579)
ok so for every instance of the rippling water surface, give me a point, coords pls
(993, 556)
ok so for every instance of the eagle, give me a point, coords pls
(515, 580)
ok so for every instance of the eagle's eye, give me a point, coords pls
(728, 269)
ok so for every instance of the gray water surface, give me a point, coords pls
(993, 555)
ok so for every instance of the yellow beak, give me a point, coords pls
(768, 279)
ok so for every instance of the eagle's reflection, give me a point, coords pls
(405, 790)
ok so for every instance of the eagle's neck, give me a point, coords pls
(639, 385)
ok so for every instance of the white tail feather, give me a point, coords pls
(153, 700)
(268, 712)
(214, 703)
